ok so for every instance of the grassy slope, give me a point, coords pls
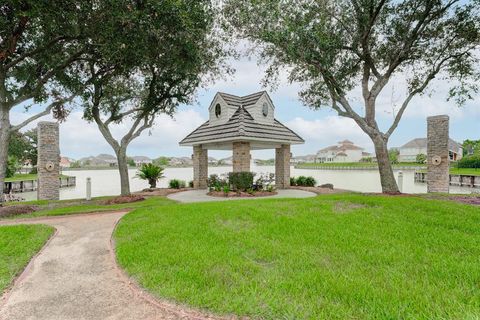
(355, 164)
(329, 257)
(18, 244)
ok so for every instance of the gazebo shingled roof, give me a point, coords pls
(242, 126)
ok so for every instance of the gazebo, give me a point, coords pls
(241, 124)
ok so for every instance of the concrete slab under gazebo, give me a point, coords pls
(241, 124)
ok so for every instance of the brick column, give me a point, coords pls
(282, 166)
(437, 154)
(48, 161)
(241, 156)
(200, 167)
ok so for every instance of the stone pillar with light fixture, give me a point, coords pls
(48, 161)
(437, 154)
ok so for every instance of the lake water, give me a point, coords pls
(107, 182)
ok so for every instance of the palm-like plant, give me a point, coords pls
(150, 172)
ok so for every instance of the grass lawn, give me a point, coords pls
(346, 256)
(354, 164)
(20, 177)
(465, 171)
(18, 244)
(66, 207)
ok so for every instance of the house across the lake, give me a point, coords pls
(344, 151)
(410, 150)
(141, 160)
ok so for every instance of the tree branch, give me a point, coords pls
(45, 112)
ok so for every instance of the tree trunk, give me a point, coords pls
(4, 140)
(153, 183)
(123, 170)
(387, 178)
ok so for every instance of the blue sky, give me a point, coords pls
(318, 128)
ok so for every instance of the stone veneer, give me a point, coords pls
(200, 167)
(241, 156)
(282, 166)
(437, 146)
(48, 154)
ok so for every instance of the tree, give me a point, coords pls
(130, 162)
(471, 147)
(151, 173)
(40, 41)
(335, 47)
(165, 51)
(23, 146)
(393, 156)
(162, 161)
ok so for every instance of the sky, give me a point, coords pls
(319, 128)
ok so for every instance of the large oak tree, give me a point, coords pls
(40, 43)
(335, 46)
(166, 50)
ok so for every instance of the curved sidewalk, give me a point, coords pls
(201, 196)
(75, 276)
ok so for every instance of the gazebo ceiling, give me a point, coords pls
(251, 120)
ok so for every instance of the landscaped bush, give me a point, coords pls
(190, 183)
(421, 158)
(176, 184)
(303, 181)
(472, 161)
(241, 181)
(215, 182)
(264, 181)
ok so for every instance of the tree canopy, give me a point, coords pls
(334, 47)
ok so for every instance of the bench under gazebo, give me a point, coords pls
(241, 124)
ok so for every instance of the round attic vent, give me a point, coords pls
(218, 110)
(265, 110)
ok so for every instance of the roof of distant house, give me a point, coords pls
(422, 143)
(342, 147)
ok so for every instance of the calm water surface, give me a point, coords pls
(107, 182)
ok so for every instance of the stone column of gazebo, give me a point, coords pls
(241, 124)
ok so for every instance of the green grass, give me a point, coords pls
(354, 164)
(465, 171)
(66, 207)
(330, 257)
(18, 244)
(21, 177)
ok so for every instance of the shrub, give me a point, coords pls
(12, 166)
(215, 182)
(303, 181)
(176, 184)
(241, 181)
(310, 182)
(263, 181)
(421, 158)
(472, 161)
(226, 190)
(190, 183)
(151, 173)
(293, 182)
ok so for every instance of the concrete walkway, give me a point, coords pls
(75, 277)
(201, 195)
